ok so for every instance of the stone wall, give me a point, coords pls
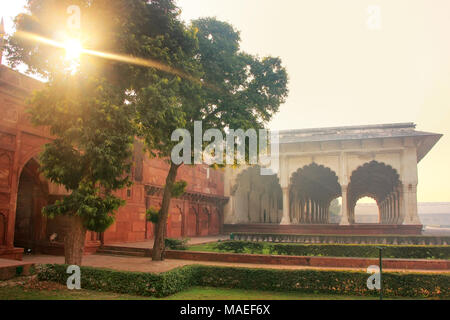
(198, 213)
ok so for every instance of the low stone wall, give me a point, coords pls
(344, 239)
(11, 253)
(10, 269)
(329, 262)
(333, 229)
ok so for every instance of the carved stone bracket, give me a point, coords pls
(153, 190)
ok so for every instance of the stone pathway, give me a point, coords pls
(144, 264)
(149, 244)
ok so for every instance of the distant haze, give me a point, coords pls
(430, 213)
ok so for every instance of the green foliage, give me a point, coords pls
(137, 283)
(319, 281)
(239, 247)
(87, 111)
(91, 155)
(304, 280)
(179, 188)
(152, 215)
(176, 244)
(225, 88)
(333, 250)
(210, 80)
(335, 207)
(97, 210)
(194, 72)
(243, 91)
(340, 238)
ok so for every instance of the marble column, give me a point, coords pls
(286, 218)
(344, 207)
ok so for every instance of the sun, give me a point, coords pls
(73, 48)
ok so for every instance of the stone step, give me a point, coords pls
(120, 248)
(13, 268)
(122, 253)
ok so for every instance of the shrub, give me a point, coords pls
(239, 247)
(176, 244)
(307, 281)
(334, 250)
(324, 281)
(137, 283)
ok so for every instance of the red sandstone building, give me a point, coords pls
(24, 192)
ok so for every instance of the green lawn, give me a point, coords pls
(195, 293)
(205, 247)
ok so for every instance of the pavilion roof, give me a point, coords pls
(427, 140)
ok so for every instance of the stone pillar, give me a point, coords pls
(286, 218)
(389, 208)
(328, 216)
(396, 208)
(380, 213)
(351, 214)
(402, 209)
(320, 213)
(410, 204)
(344, 207)
(302, 210)
(307, 210)
(392, 208)
(316, 212)
(297, 209)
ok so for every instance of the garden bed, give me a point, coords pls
(327, 250)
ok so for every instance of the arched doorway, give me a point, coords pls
(381, 183)
(366, 211)
(312, 189)
(257, 198)
(335, 211)
(32, 196)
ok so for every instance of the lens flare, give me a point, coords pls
(73, 48)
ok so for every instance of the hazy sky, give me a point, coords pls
(345, 69)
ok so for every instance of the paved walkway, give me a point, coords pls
(149, 243)
(144, 264)
(11, 263)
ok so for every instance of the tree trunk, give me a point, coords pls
(74, 242)
(160, 231)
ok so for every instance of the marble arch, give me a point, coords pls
(312, 188)
(373, 160)
(380, 182)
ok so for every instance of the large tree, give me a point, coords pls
(226, 88)
(85, 103)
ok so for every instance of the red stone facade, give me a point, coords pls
(23, 192)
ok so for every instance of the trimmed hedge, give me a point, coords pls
(136, 283)
(379, 239)
(329, 282)
(308, 281)
(331, 250)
